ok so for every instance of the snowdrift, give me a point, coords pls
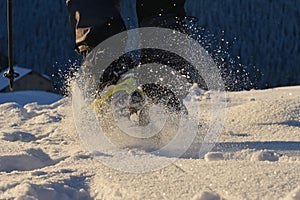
(256, 157)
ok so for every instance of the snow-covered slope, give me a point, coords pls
(264, 33)
(26, 97)
(257, 156)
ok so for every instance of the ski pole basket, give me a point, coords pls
(10, 74)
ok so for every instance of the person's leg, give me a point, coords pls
(119, 67)
(93, 21)
(174, 21)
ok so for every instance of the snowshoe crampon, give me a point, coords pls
(142, 116)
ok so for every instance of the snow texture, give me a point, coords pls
(257, 156)
(206, 196)
(294, 195)
(262, 33)
(23, 98)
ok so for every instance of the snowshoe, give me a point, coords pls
(142, 115)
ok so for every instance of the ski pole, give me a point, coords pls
(11, 74)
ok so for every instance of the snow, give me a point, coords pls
(214, 156)
(206, 196)
(26, 97)
(256, 157)
(295, 194)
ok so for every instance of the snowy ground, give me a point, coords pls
(257, 156)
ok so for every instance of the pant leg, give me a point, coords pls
(93, 21)
(119, 67)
